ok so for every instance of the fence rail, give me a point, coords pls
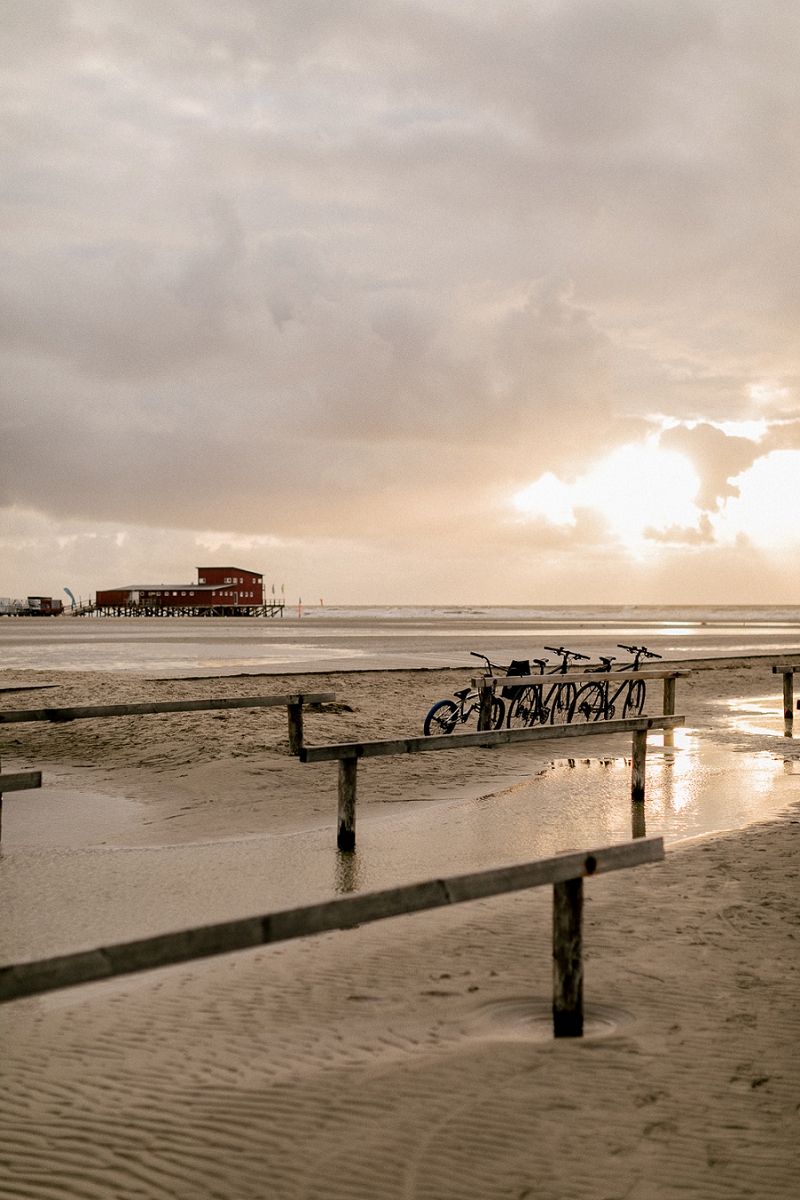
(293, 703)
(552, 677)
(21, 781)
(348, 754)
(564, 871)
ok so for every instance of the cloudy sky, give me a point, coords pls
(435, 301)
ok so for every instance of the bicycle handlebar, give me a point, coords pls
(639, 651)
(492, 666)
(562, 650)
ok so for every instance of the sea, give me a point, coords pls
(327, 639)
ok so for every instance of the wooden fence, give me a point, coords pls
(293, 704)
(564, 871)
(348, 754)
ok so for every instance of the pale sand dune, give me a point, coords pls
(367, 1064)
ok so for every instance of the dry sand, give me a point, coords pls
(391, 1061)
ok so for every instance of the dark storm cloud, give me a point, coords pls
(339, 268)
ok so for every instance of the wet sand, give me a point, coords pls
(403, 1059)
(214, 775)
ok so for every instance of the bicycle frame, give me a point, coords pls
(531, 705)
(599, 704)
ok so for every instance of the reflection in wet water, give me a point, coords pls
(761, 715)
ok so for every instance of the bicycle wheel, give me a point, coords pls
(634, 701)
(442, 718)
(523, 710)
(590, 703)
(563, 705)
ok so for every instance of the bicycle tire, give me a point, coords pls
(634, 700)
(590, 703)
(523, 711)
(498, 712)
(442, 718)
(563, 705)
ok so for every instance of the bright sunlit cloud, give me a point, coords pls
(753, 429)
(636, 488)
(767, 509)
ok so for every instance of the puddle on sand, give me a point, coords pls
(105, 894)
(65, 817)
(762, 715)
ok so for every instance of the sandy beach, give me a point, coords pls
(403, 1059)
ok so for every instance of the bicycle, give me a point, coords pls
(531, 704)
(594, 701)
(446, 714)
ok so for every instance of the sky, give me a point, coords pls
(437, 302)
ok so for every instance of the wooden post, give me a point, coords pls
(669, 708)
(638, 766)
(295, 712)
(567, 960)
(346, 836)
(485, 713)
(638, 824)
(788, 703)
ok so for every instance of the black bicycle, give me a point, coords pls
(598, 701)
(446, 714)
(538, 703)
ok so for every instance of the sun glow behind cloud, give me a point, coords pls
(647, 496)
(635, 488)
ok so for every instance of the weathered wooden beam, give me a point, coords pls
(494, 737)
(295, 715)
(638, 765)
(88, 711)
(346, 817)
(638, 821)
(22, 781)
(669, 707)
(575, 677)
(42, 975)
(788, 703)
(485, 706)
(567, 958)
